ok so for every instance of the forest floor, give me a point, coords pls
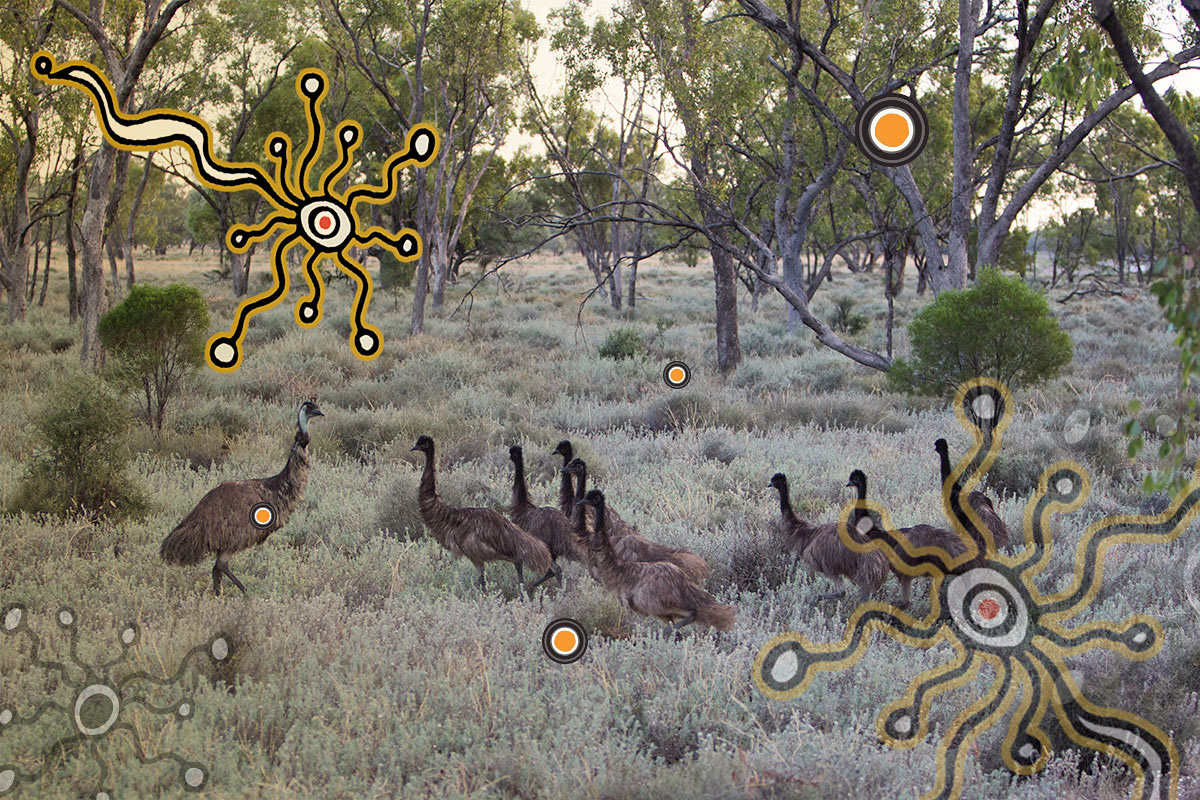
(366, 662)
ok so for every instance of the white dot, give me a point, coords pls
(1064, 485)
(12, 619)
(102, 796)
(1076, 426)
(312, 84)
(903, 724)
(7, 778)
(220, 649)
(423, 143)
(985, 406)
(65, 617)
(127, 636)
(366, 341)
(1026, 751)
(223, 353)
(348, 135)
(5, 717)
(865, 524)
(194, 776)
(407, 245)
(307, 312)
(785, 667)
(1139, 637)
(184, 709)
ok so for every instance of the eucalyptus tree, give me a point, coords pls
(456, 65)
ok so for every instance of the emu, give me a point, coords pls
(237, 515)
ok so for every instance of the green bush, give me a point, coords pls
(394, 274)
(999, 328)
(624, 342)
(844, 319)
(79, 464)
(156, 336)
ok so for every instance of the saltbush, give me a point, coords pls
(624, 342)
(79, 464)
(156, 336)
(999, 328)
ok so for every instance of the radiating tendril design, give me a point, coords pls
(997, 616)
(101, 699)
(323, 220)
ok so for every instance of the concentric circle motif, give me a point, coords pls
(263, 516)
(564, 640)
(987, 608)
(326, 225)
(96, 689)
(892, 129)
(676, 374)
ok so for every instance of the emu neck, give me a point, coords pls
(291, 480)
(785, 503)
(944, 456)
(566, 491)
(601, 548)
(520, 489)
(428, 491)
(579, 512)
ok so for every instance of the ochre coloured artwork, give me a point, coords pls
(99, 706)
(986, 606)
(322, 220)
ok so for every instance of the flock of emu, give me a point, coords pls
(647, 577)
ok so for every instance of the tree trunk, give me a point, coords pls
(113, 248)
(46, 270)
(961, 199)
(32, 281)
(91, 234)
(73, 194)
(134, 208)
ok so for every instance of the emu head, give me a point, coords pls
(858, 479)
(563, 449)
(941, 446)
(424, 444)
(515, 454)
(308, 410)
(779, 481)
(594, 497)
(575, 467)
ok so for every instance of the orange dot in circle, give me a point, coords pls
(564, 640)
(891, 130)
(988, 608)
(262, 516)
(677, 374)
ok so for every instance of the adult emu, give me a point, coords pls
(546, 523)
(980, 502)
(656, 588)
(240, 514)
(478, 534)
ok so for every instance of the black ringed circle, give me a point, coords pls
(777, 652)
(1010, 618)
(920, 136)
(548, 644)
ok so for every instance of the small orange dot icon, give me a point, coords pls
(564, 641)
(262, 515)
(891, 129)
(677, 374)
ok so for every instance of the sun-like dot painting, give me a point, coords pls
(322, 220)
(986, 605)
(98, 708)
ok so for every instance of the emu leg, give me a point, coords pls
(905, 592)
(217, 578)
(224, 566)
(482, 586)
(687, 619)
(841, 592)
(520, 573)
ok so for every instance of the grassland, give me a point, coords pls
(369, 665)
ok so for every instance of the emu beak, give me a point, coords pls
(850, 484)
(414, 447)
(316, 412)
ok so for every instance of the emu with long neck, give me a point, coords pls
(478, 534)
(979, 502)
(657, 588)
(566, 492)
(821, 548)
(546, 523)
(237, 515)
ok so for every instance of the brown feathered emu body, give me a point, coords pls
(627, 542)
(820, 547)
(548, 524)
(917, 535)
(653, 588)
(478, 534)
(978, 501)
(222, 522)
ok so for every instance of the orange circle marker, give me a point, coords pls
(677, 374)
(262, 516)
(891, 130)
(989, 608)
(564, 640)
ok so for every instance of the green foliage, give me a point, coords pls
(999, 328)
(624, 342)
(1179, 298)
(79, 464)
(395, 274)
(156, 336)
(844, 319)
